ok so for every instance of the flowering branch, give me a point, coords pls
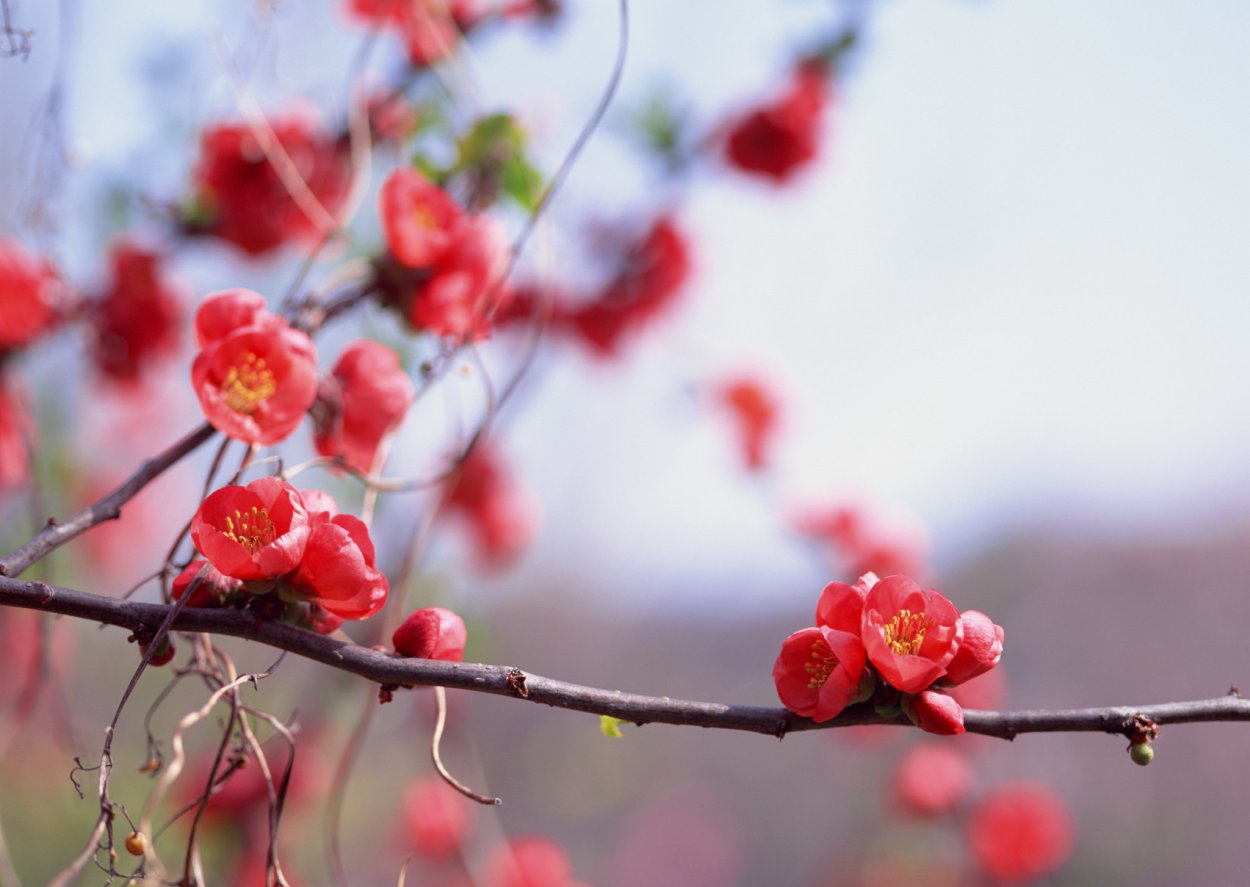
(396, 671)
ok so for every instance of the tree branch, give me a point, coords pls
(56, 534)
(391, 670)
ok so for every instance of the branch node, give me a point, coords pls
(516, 683)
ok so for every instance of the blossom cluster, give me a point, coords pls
(889, 640)
(280, 545)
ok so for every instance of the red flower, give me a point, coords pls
(862, 541)
(651, 276)
(429, 27)
(979, 651)
(818, 671)
(137, 320)
(931, 779)
(777, 140)
(212, 590)
(255, 532)
(436, 818)
(432, 633)
(16, 429)
(1021, 832)
(364, 400)
(754, 409)
(911, 633)
(254, 382)
(337, 570)
(420, 218)
(529, 861)
(244, 199)
(466, 287)
(935, 712)
(27, 295)
(484, 494)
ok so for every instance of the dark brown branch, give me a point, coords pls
(57, 533)
(389, 669)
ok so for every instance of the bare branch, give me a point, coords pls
(502, 680)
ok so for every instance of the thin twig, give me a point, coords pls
(436, 742)
(501, 680)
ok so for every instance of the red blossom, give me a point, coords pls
(259, 531)
(430, 28)
(755, 409)
(864, 541)
(485, 496)
(243, 199)
(254, 382)
(931, 779)
(212, 589)
(419, 218)
(27, 295)
(911, 633)
(979, 651)
(436, 818)
(529, 861)
(466, 286)
(935, 712)
(777, 140)
(819, 670)
(337, 571)
(431, 633)
(136, 321)
(368, 394)
(1020, 832)
(16, 431)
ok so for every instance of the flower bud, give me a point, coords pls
(935, 712)
(432, 633)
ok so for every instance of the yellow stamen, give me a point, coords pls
(248, 383)
(905, 632)
(823, 665)
(251, 529)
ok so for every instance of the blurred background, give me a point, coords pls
(1000, 314)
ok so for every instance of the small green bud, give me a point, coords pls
(1142, 753)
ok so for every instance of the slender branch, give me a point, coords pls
(501, 680)
(57, 533)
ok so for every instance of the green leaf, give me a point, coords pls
(610, 726)
(522, 182)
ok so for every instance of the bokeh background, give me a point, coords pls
(1005, 311)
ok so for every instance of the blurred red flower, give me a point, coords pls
(436, 818)
(362, 402)
(754, 408)
(243, 200)
(484, 495)
(529, 861)
(1020, 832)
(931, 779)
(775, 141)
(16, 432)
(254, 382)
(466, 284)
(863, 542)
(259, 531)
(27, 295)
(911, 633)
(420, 218)
(137, 320)
(431, 633)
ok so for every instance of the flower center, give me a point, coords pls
(248, 383)
(822, 665)
(251, 529)
(905, 632)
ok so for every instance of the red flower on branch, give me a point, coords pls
(137, 319)
(485, 496)
(436, 818)
(754, 409)
(935, 712)
(911, 633)
(777, 140)
(979, 651)
(931, 779)
(419, 218)
(362, 402)
(820, 670)
(27, 295)
(337, 570)
(242, 198)
(466, 286)
(1020, 832)
(259, 531)
(254, 382)
(431, 633)
(213, 587)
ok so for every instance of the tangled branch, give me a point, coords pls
(396, 671)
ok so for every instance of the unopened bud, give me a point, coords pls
(1142, 753)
